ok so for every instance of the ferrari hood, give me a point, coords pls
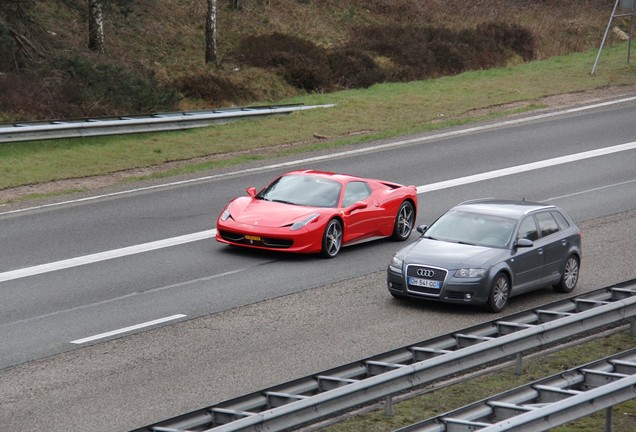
(250, 211)
(449, 255)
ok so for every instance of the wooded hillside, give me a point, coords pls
(154, 50)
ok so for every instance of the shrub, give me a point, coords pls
(212, 88)
(8, 49)
(105, 89)
(301, 62)
(428, 52)
(353, 68)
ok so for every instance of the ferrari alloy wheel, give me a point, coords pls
(569, 277)
(499, 293)
(404, 221)
(332, 239)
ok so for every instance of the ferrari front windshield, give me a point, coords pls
(303, 190)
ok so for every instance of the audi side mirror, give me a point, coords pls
(524, 242)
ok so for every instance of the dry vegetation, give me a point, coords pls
(272, 49)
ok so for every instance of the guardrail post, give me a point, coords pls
(518, 364)
(632, 327)
(608, 419)
(388, 406)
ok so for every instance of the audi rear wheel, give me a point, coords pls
(569, 276)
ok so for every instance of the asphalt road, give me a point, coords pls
(256, 319)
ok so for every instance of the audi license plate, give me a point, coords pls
(424, 283)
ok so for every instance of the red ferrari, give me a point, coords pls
(318, 212)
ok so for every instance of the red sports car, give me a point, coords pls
(318, 212)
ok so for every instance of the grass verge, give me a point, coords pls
(381, 111)
(445, 399)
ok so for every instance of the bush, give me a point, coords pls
(353, 68)
(429, 52)
(8, 50)
(104, 89)
(76, 87)
(301, 62)
(215, 89)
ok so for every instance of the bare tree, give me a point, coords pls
(95, 26)
(210, 33)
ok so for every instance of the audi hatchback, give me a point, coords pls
(483, 252)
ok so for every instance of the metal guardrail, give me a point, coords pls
(75, 128)
(321, 395)
(546, 403)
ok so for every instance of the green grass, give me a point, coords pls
(467, 392)
(381, 111)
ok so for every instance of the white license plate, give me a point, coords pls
(424, 283)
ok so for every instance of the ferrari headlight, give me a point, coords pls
(298, 225)
(226, 213)
(470, 273)
(396, 263)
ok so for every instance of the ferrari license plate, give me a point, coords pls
(252, 238)
(424, 283)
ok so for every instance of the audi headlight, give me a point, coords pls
(396, 263)
(470, 273)
(298, 225)
(226, 213)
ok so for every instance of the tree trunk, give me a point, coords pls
(95, 26)
(210, 33)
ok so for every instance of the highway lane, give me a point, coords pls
(129, 382)
(45, 312)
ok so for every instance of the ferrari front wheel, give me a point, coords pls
(332, 239)
(404, 221)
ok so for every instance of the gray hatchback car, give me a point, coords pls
(485, 251)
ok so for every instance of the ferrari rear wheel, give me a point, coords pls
(332, 239)
(404, 221)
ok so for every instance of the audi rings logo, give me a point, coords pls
(427, 273)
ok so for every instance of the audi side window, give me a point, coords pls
(547, 224)
(354, 192)
(528, 229)
(561, 220)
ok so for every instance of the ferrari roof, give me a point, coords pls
(328, 174)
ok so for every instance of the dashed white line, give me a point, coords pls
(526, 167)
(103, 256)
(127, 329)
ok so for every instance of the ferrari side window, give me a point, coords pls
(354, 192)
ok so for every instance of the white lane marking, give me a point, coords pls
(339, 155)
(102, 256)
(590, 190)
(127, 329)
(526, 167)
(123, 297)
